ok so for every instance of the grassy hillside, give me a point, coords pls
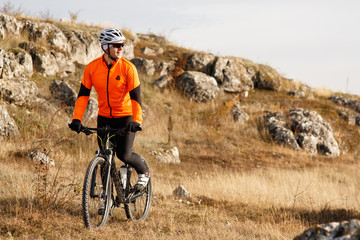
(243, 185)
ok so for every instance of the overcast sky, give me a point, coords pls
(316, 42)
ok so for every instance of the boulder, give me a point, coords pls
(131, 37)
(341, 100)
(238, 113)
(129, 50)
(151, 52)
(19, 91)
(144, 65)
(267, 78)
(233, 74)
(197, 86)
(312, 133)
(345, 230)
(164, 68)
(349, 116)
(180, 191)
(297, 94)
(278, 131)
(170, 155)
(162, 82)
(7, 124)
(349, 102)
(41, 158)
(201, 63)
(62, 92)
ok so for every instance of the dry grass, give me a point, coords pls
(243, 185)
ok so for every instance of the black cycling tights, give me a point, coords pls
(124, 144)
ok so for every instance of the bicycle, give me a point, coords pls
(102, 177)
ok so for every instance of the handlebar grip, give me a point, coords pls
(86, 131)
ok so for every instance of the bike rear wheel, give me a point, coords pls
(138, 209)
(94, 194)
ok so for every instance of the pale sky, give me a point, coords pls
(316, 42)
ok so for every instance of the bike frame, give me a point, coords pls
(107, 153)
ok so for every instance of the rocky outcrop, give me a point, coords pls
(297, 94)
(162, 82)
(238, 113)
(19, 91)
(7, 124)
(84, 46)
(346, 230)
(349, 116)
(46, 33)
(170, 155)
(312, 133)
(62, 92)
(151, 52)
(180, 191)
(53, 51)
(279, 131)
(307, 131)
(15, 64)
(41, 158)
(144, 66)
(267, 78)
(66, 95)
(150, 67)
(201, 63)
(348, 102)
(233, 75)
(8, 25)
(91, 111)
(198, 86)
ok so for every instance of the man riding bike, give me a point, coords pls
(117, 84)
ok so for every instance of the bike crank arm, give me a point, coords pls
(134, 196)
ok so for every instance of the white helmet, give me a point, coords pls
(110, 35)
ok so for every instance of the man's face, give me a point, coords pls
(116, 49)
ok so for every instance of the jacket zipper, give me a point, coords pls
(107, 90)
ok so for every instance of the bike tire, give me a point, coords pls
(139, 208)
(94, 194)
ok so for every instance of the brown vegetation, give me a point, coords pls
(243, 186)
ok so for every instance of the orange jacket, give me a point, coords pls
(117, 86)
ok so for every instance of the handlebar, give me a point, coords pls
(107, 129)
(117, 131)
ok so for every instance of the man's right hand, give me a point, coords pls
(133, 127)
(75, 125)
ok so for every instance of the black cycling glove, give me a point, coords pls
(133, 127)
(76, 125)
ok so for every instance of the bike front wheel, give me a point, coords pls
(139, 207)
(95, 201)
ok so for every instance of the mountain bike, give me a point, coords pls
(99, 198)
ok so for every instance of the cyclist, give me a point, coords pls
(117, 84)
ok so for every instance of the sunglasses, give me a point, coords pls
(118, 45)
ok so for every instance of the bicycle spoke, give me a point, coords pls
(139, 203)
